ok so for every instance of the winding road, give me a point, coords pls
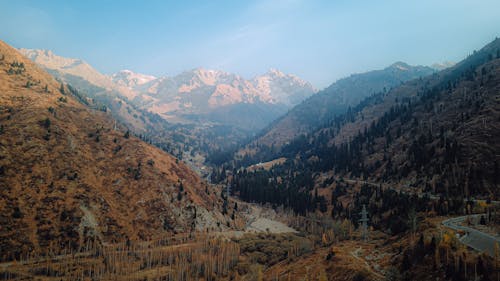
(473, 238)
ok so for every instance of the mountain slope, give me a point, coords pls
(101, 88)
(111, 96)
(72, 71)
(203, 106)
(67, 177)
(436, 134)
(197, 95)
(336, 99)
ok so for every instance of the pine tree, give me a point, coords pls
(61, 89)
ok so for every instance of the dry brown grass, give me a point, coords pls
(67, 176)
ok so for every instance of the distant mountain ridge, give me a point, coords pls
(198, 95)
(70, 69)
(202, 91)
(336, 99)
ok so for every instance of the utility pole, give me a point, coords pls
(364, 222)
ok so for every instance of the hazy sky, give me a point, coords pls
(319, 41)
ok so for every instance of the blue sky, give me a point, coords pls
(320, 41)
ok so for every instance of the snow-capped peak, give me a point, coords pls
(131, 79)
(276, 73)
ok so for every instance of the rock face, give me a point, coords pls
(67, 177)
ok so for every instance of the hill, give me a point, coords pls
(67, 177)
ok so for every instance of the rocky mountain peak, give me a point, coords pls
(131, 79)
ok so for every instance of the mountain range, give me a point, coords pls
(209, 93)
(332, 101)
(359, 170)
(194, 96)
(67, 175)
(432, 134)
(130, 79)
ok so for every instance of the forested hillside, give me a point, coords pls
(436, 134)
(333, 101)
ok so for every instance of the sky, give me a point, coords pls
(319, 41)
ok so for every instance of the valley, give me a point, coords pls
(389, 173)
(195, 115)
